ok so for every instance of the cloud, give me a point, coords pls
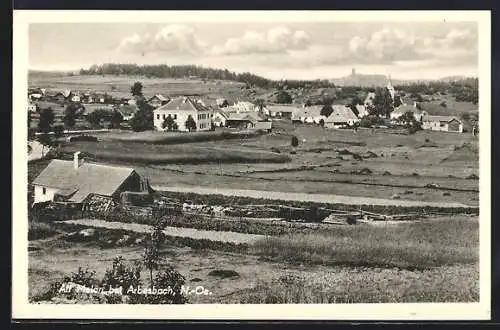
(171, 38)
(275, 40)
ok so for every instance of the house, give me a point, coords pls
(77, 181)
(76, 98)
(442, 123)
(249, 120)
(158, 100)
(282, 111)
(221, 102)
(180, 109)
(220, 118)
(369, 99)
(32, 107)
(309, 115)
(35, 96)
(243, 106)
(128, 111)
(341, 116)
(362, 111)
(402, 109)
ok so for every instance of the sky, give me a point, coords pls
(302, 50)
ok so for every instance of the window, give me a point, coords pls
(164, 116)
(175, 116)
(158, 116)
(442, 124)
(44, 190)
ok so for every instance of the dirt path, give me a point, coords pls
(222, 236)
(317, 198)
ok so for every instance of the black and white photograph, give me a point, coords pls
(255, 164)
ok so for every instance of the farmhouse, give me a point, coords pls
(442, 123)
(402, 109)
(31, 107)
(282, 111)
(309, 115)
(158, 100)
(180, 109)
(369, 99)
(341, 116)
(243, 107)
(362, 111)
(250, 120)
(128, 111)
(79, 182)
(220, 118)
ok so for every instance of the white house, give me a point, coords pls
(309, 115)
(362, 111)
(180, 109)
(369, 99)
(341, 116)
(402, 109)
(75, 181)
(158, 100)
(220, 118)
(75, 98)
(243, 106)
(31, 107)
(442, 123)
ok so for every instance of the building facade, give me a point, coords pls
(442, 123)
(180, 110)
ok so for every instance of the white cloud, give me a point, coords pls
(171, 38)
(275, 40)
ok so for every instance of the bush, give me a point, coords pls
(295, 141)
(369, 121)
(39, 230)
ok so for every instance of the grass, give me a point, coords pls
(444, 284)
(419, 245)
(40, 230)
(142, 153)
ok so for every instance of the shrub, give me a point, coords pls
(170, 280)
(38, 230)
(295, 141)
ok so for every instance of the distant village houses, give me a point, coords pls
(341, 116)
(158, 100)
(442, 123)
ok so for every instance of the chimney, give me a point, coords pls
(77, 162)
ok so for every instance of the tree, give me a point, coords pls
(69, 118)
(46, 120)
(261, 104)
(190, 124)
(408, 121)
(151, 256)
(168, 123)
(295, 141)
(397, 101)
(116, 119)
(283, 97)
(382, 103)
(326, 111)
(58, 133)
(136, 89)
(45, 139)
(95, 117)
(143, 118)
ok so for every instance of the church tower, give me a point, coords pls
(390, 88)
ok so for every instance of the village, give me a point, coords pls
(237, 174)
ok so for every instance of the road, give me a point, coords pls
(221, 236)
(303, 197)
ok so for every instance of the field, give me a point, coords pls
(247, 258)
(430, 261)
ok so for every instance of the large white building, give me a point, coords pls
(180, 109)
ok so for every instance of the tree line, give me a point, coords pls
(185, 71)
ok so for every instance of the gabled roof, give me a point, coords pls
(312, 111)
(159, 97)
(402, 109)
(250, 116)
(87, 179)
(341, 114)
(283, 108)
(67, 93)
(182, 104)
(128, 109)
(440, 118)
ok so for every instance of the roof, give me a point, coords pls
(128, 109)
(341, 114)
(87, 179)
(312, 111)
(402, 109)
(159, 97)
(440, 118)
(250, 116)
(182, 104)
(283, 108)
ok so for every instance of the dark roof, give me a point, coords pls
(87, 179)
(183, 104)
(341, 114)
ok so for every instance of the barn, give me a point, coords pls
(82, 183)
(442, 123)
